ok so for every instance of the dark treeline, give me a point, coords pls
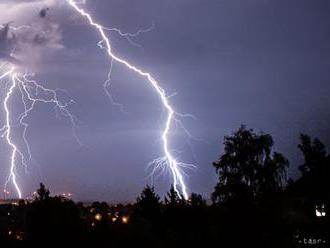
(254, 204)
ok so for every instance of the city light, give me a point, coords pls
(98, 217)
(124, 219)
(320, 210)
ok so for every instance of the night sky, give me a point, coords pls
(263, 63)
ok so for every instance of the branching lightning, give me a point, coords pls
(31, 93)
(168, 160)
(8, 129)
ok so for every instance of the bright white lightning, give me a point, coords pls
(12, 174)
(31, 93)
(169, 160)
(129, 36)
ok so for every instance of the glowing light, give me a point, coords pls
(124, 219)
(168, 160)
(98, 217)
(66, 195)
(320, 211)
(6, 192)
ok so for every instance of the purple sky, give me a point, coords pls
(231, 62)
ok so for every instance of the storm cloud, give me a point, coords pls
(7, 43)
(43, 12)
(27, 34)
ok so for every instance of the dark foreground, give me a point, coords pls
(280, 222)
(253, 205)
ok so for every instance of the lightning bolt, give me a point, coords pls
(31, 93)
(168, 160)
(8, 130)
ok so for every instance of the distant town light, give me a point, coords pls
(19, 236)
(66, 194)
(114, 219)
(98, 217)
(320, 211)
(124, 220)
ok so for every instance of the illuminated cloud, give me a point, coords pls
(7, 44)
(43, 12)
(27, 31)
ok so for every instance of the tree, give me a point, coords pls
(314, 183)
(52, 218)
(197, 201)
(148, 204)
(43, 192)
(273, 174)
(173, 199)
(101, 207)
(315, 156)
(247, 168)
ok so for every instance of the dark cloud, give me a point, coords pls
(19, 42)
(20, 1)
(8, 41)
(43, 12)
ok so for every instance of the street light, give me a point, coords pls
(98, 217)
(320, 211)
(124, 219)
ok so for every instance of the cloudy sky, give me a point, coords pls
(230, 62)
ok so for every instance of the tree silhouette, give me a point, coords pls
(43, 192)
(273, 174)
(314, 183)
(173, 199)
(197, 201)
(52, 218)
(248, 169)
(314, 154)
(101, 207)
(148, 204)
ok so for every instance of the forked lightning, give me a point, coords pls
(168, 160)
(32, 93)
